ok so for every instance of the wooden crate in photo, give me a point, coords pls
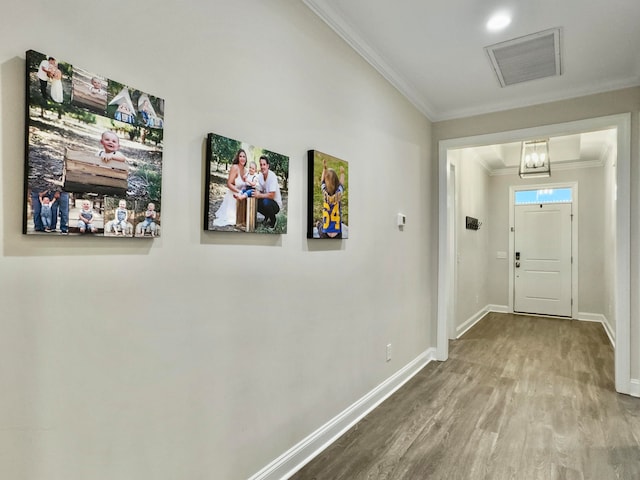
(87, 172)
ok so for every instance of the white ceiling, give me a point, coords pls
(432, 51)
(583, 150)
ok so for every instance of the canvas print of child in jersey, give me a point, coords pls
(328, 209)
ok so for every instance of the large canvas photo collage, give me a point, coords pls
(93, 153)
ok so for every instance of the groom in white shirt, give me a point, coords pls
(268, 193)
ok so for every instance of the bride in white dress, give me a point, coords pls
(226, 214)
(56, 86)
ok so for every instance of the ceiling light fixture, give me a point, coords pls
(534, 160)
(498, 21)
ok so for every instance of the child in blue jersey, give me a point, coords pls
(332, 188)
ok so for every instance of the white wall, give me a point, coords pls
(182, 380)
(472, 245)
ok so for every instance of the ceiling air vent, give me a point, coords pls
(526, 58)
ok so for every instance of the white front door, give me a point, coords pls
(542, 282)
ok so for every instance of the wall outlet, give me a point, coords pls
(388, 352)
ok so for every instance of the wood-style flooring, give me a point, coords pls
(520, 398)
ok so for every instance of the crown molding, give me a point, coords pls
(355, 41)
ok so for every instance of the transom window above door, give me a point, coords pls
(543, 195)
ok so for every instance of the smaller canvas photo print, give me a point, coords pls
(246, 187)
(328, 203)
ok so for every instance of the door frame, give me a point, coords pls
(574, 238)
(622, 297)
(453, 232)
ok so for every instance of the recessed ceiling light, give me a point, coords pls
(498, 21)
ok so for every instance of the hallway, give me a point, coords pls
(519, 398)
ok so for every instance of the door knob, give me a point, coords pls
(517, 264)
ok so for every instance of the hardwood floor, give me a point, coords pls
(519, 398)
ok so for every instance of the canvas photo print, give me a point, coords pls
(246, 187)
(93, 153)
(328, 202)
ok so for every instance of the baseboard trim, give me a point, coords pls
(634, 387)
(479, 315)
(471, 321)
(590, 317)
(598, 317)
(498, 308)
(299, 455)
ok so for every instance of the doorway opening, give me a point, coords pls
(618, 225)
